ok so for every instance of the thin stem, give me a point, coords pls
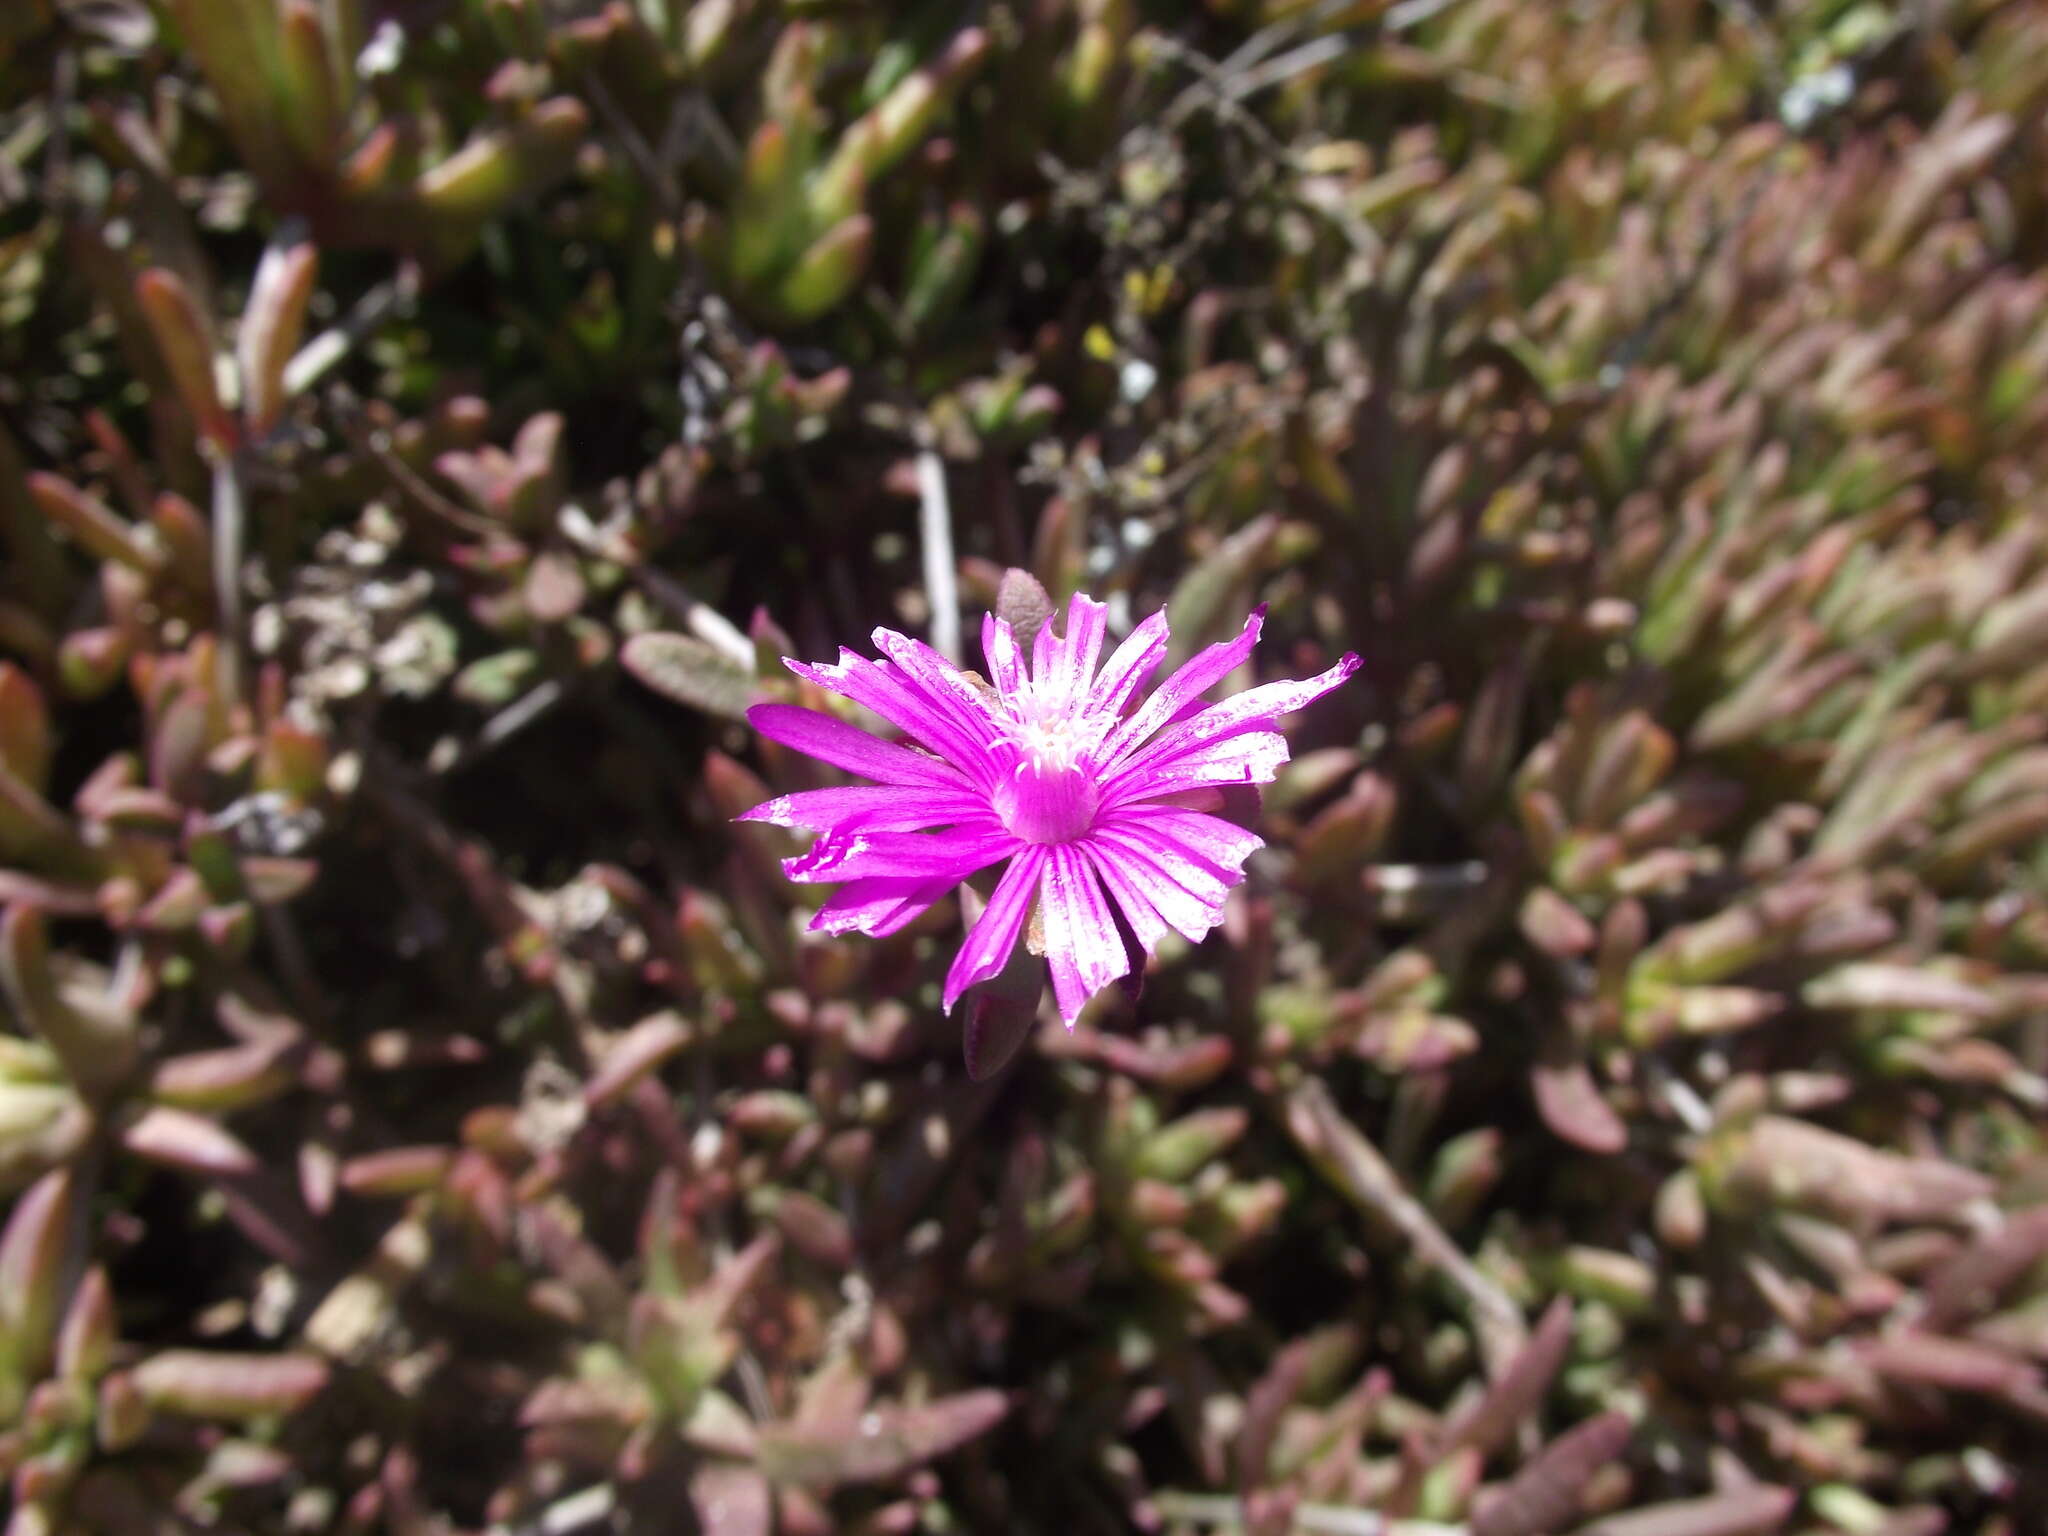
(507, 723)
(1357, 1169)
(449, 514)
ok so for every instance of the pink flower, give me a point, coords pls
(1091, 801)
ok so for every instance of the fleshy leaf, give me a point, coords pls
(691, 671)
(882, 1444)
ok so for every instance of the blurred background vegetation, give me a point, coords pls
(1615, 1102)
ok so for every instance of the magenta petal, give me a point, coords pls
(870, 808)
(1208, 668)
(1129, 665)
(1255, 706)
(845, 746)
(878, 906)
(1103, 815)
(999, 649)
(1182, 861)
(986, 949)
(1045, 649)
(944, 684)
(950, 855)
(1187, 913)
(1081, 939)
(1077, 650)
(909, 708)
(1221, 844)
(1249, 757)
(1137, 908)
(1069, 992)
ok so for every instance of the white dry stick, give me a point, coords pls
(228, 523)
(941, 572)
(316, 357)
(579, 1511)
(699, 618)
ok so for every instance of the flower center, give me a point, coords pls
(1047, 798)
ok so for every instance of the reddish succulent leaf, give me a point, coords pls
(1780, 1160)
(732, 1500)
(1959, 1365)
(814, 1229)
(1181, 1148)
(554, 587)
(25, 740)
(94, 1038)
(185, 338)
(834, 1396)
(178, 748)
(772, 1113)
(177, 905)
(271, 326)
(231, 1078)
(32, 1251)
(1181, 1066)
(618, 1400)
(98, 530)
(691, 671)
(993, 1028)
(218, 1385)
(1868, 984)
(1213, 587)
(396, 1171)
(1269, 1397)
(56, 900)
(997, 1015)
(1414, 1040)
(187, 1142)
(1554, 925)
(90, 1331)
(733, 1279)
(1519, 1392)
(1738, 1512)
(1970, 1283)
(121, 1416)
(1571, 1102)
(639, 1051)
(34, 831)
(1545, 1495)
(885, 1443)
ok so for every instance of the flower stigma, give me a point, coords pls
(1050, 795)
